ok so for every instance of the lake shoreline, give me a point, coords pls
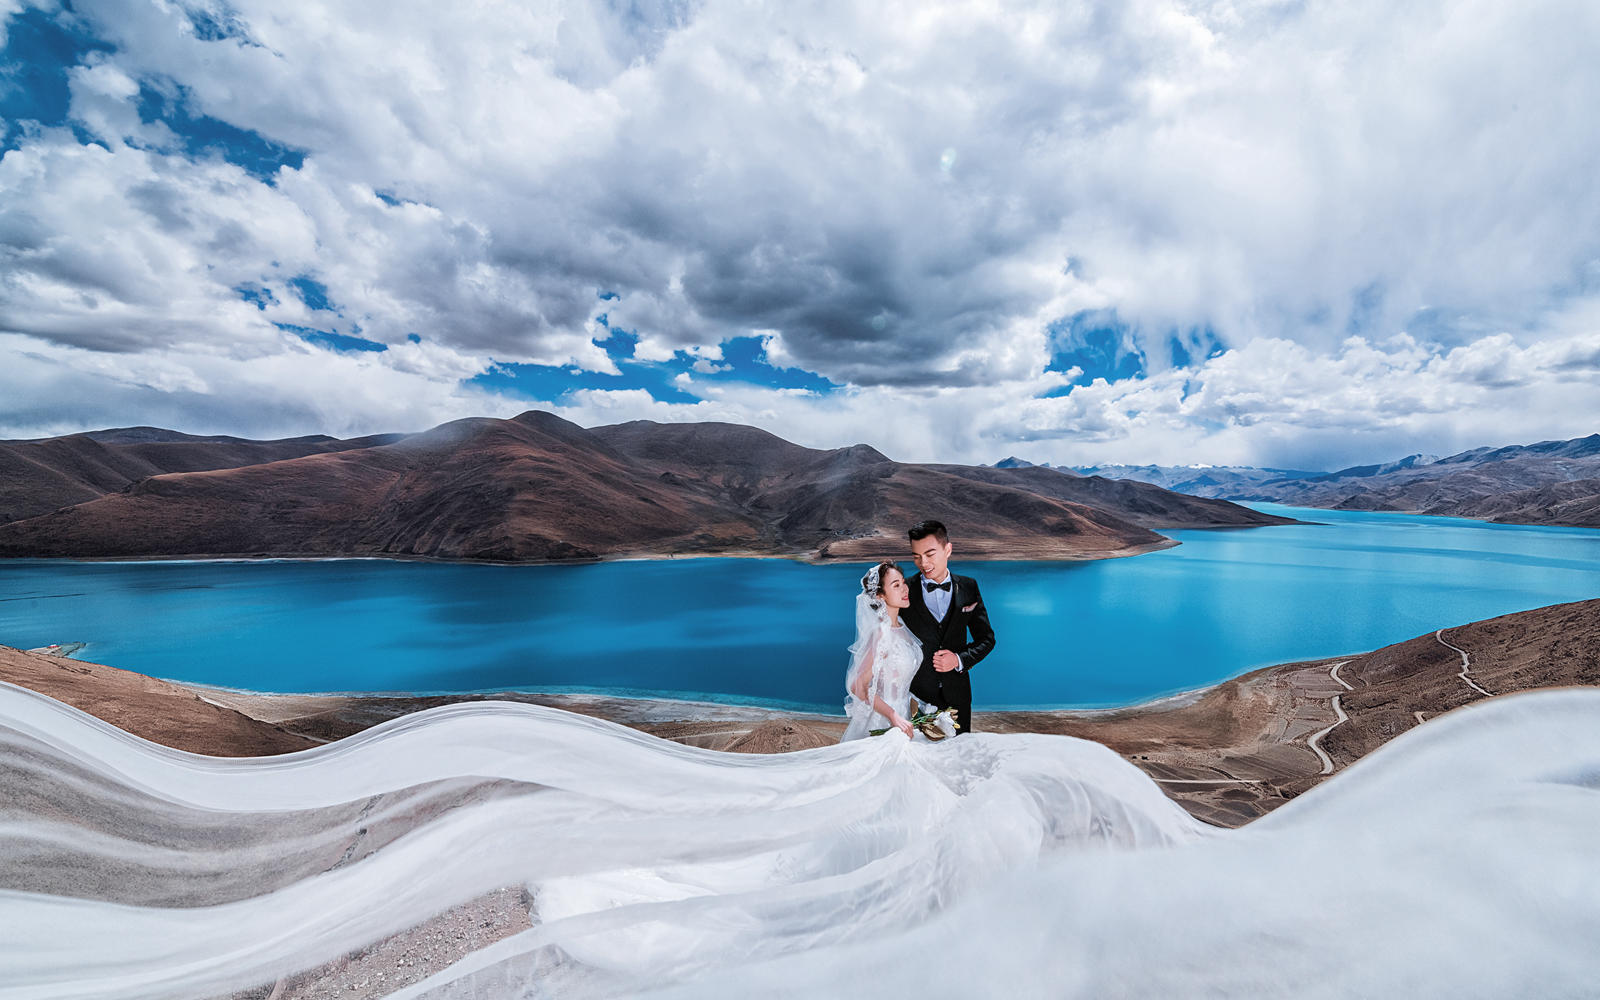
(812, 559)
(710, 705)
(271, 703)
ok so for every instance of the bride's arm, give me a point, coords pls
(859, 680)
(861, 683)
(880, 706)
(895, 718)
(861, 686)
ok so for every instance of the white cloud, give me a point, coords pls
(53, 389)
(8, 9)
(1272, 402)
(1385, 212)
(126, 249)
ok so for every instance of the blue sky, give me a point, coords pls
(43, 46)
(1290, 234)
(740, 359)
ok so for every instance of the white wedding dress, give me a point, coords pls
(148, 872)
(1457, 861)
(889, 657)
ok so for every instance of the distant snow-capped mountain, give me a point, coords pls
(1215, 481)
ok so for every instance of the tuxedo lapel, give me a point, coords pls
(928, 628)
(919, 607)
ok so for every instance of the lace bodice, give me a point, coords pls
(890, 660)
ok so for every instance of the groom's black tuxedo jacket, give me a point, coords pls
(953, 688)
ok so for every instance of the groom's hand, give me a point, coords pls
(945, 661)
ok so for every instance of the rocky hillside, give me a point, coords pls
(539, 488)
(37, 477)
(1552, 482)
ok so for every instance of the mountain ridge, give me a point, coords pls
(536, 487)
(1548, 482)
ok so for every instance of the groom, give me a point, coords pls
(944, 609)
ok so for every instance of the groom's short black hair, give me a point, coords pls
(925, 528)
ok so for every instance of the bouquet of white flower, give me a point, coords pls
(935, 724)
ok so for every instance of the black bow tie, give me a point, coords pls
(930, 586)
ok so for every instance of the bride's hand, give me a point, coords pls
(903, 725)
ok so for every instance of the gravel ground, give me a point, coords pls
(410, 956)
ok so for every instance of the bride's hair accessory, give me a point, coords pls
(872, 583)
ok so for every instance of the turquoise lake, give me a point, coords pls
(773, 631)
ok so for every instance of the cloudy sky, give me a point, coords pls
(1303, 235)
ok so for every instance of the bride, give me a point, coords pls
(884, 657)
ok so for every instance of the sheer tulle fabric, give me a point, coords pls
(1456, 861)
(888, 657)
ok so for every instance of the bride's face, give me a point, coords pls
(895, 592)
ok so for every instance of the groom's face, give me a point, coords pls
(930, 555)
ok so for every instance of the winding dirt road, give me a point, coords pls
(1338, 710)
(1466, 664)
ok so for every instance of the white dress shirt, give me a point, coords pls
(938, 601)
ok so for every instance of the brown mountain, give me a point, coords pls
(536, 488)
(1141, 503)
(1575, 503)
(1552, 482)
(531, 488)
(855, 503)
(40, 476)
(805, 496)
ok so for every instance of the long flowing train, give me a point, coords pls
(1457, 860)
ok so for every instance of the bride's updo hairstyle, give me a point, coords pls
(876, 578)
